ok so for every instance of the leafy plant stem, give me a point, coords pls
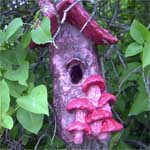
(146, 86)
(13, 110)
(126, 77)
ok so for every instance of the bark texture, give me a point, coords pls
(75, 53)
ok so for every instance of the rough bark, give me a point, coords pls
(74, 49)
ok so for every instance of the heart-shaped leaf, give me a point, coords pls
(15, 88)
(6, 121)
(4, 96)
(41, 34)
(20, 75)
(13, 27)
(138, 32)
(21, 51)
(146, 53)
(36, 101)
(7, 59)
(142, 100)
(133, 49)
(30, 121)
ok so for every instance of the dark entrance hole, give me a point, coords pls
(75, 68)
(76, 74)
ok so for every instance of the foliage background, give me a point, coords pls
(123, 77)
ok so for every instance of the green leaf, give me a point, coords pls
(141, 102)
(133, 49)
(0, 74)
(26, 39)
(146, 53)
(142, 118)
(4, 96)
(36, 101)
(21, 50)
(2, 37)
(30, 121)
(7, 59)
(18, 34)
(124, 146)
(130, 73)
(13, 26)
(114, 140)
(20, 75)
(15, 89)
(6, 121)
(42, 34)
(57, 143)
(37, 15)
(138, 32)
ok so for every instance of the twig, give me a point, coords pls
(8, 12)
(39, 61)
(114, 69)
(120, 58)
(66, 10)
(55, 123)
(54, 133)
(137, 143)
(109, 51)
(12, 144)
(148, 27)
(115, 12)
(59, 22)
(102, 66)
(63, 20)
(126, 77)
(116, 25)
(117, 115)
(146, 84)
(39, 140)
(92, 15)
(45, 132)
(148, 80)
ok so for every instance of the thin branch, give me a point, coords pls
(54, 133)
(109, 51)
(115, 70)
(146, 84)
(120, 58)
(116, 25)
(137, 143)
(126, 77)
(63, 20)
(59, 22)
(115, 12)
(39, 140)
(148, 27)
(117, 115)
(8, 12)
(46, 131)
(92, 15)
(102, 66)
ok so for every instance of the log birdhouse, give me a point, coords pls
(81, 102)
